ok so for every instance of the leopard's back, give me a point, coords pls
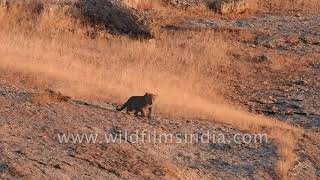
(136, 103)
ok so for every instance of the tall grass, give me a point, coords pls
(188, 70)
(143, 4)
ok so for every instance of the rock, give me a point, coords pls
(114, 131)
(3, 167)
(243, 24)
(298, 82)
(159, 172)
(265, 101)
(299, 97)
(114, 16)
(193, 25)
(184, 3)
(288, 104)
(288, 112)
(57, 166)
(265, 40)
(315, 65)
(260, 58)
(253, 46)
(309, 39)
(228, 6)
(301, 112)
(219, 146)
(271, 110)
(252, 109)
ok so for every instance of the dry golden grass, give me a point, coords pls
(143, 4)
(188, 70)
(43, 99)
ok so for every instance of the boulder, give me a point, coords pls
(114, 16)
(228, 6)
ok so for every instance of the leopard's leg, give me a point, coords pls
(136, 112)
(150, 111)
(142, 113)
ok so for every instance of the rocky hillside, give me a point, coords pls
(238, 85)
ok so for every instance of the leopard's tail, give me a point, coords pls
(122, 107)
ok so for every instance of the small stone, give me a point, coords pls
(158, 172)
(289, 112)
(269, 45)
(57, 166)
(252, 109)
(272, 110)
(266, 101)
(300, 97)
(299, 82)
(301, 112)
(3, 167)
(293, 105)
(261, 58)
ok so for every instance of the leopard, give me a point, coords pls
(139, 104)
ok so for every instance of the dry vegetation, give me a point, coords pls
(188, 74)
(143, 4)
(290, 6)
(272, 6)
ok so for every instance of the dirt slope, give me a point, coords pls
(30, 146)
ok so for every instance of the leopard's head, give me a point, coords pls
(150, 98)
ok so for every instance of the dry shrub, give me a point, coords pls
(231, 6)
(143, 4)
(34, 17)
(286, 143)
(42, 99)
(24, 12)
(49, 96)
